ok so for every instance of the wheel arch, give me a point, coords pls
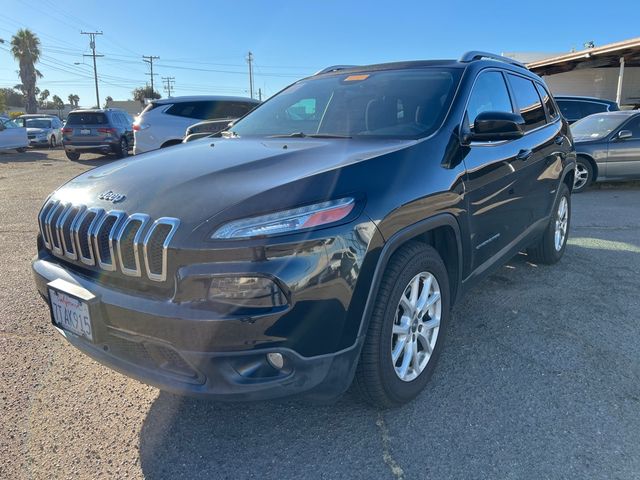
(593, 163)
(442, 232)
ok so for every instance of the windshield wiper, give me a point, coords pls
(311, 135)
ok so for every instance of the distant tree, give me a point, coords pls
(44, 94)
(107, 100)
(25, 48)
(58, 104)
(73, 99)
(141, 93)
(12, 97)
(3, 101)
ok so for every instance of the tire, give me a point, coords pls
(21, 149)
(378, 378)
(549, 250)
(584, 175)
(72, 155)
(123, 148)
(52, 142)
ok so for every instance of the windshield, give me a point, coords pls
(393, 104)
(38, 123)
(596, 126)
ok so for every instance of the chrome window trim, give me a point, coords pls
(144, 219)
(50, 232)
(99, 212)
(173, 223)
(119, 214)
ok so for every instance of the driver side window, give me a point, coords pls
(489, 94)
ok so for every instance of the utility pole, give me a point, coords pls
(169, 84)
(92, 44)
(250, 62)
(149, 59)
(259, 94)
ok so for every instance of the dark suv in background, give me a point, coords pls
(323, 238)
(104, 131)
(574, 108)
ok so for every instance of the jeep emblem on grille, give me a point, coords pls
(111, 196)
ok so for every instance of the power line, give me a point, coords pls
(169, 84)
(149, 59)
(92, 44)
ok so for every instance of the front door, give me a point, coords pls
(623, 160)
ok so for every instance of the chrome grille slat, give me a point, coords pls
(98, 238)
(173, 224)
(112, 241)
(143, 221)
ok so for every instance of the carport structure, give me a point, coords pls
(612, 58)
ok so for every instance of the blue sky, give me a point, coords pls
(204, 44)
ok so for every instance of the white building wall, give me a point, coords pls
(597, 82)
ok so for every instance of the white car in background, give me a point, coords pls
(163, 122)
(42, 130)
(12, 136)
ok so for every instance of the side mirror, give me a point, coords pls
(496, 126)
(622, 134)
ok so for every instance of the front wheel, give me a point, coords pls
(553, 243)
(406, 329)
(52, 142)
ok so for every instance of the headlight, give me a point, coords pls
(287, 220)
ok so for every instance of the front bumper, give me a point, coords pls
(180, 347)
(38, 142)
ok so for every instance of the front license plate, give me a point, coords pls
(71, 313)
(85, 131)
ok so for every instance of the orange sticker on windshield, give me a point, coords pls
(353, 78)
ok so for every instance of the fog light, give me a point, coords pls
(246, 291)
(276, 360)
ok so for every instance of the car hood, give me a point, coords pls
(197, 180)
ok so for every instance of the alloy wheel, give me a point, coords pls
(416, 326)
(581, 177)
(562, 220)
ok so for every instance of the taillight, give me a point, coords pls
(139, 126)
(106, 130)
(67, 130)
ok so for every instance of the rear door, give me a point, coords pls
(539, 162)
(624, 154)
(87, 127)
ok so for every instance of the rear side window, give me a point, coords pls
(87, 118)
(489, 94)
(633, 126)
(210, 110)
(528, 101)
(548, 101)
(577, 109)
(589, 108)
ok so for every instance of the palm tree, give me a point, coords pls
(59, 104)
(25, 48)
(44, 94)
(73, 99)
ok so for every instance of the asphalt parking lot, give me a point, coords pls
(540, 376)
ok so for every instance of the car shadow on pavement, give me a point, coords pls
(191, 438)
(24, 157)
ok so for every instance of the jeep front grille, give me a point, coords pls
(109, 240)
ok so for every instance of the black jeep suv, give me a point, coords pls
(323, 238)
(107, 130)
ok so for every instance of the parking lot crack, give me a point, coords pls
(396, 469)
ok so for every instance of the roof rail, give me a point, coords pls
(474, 55)
(334, 68)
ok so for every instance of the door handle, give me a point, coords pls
(559, 140)
(524, 154)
